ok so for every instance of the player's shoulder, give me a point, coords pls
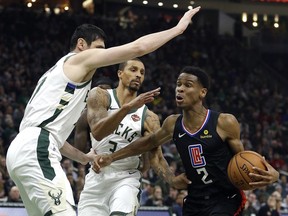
(97, 90)
(227, 120)
(170, 121)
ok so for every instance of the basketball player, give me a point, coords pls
(82, 130)
(33, 158)
(206, 141)
(116, 118)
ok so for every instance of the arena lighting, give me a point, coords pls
(276, 18)
(255, 17)
(129, 1)
(265, 17)
(160, 4)
(175, 5)
(277, 1)
(145, 2)
(244, 17)
(276, 25)
(254, 24)
(29, 4)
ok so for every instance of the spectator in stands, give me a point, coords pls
(14, 195)
(270, 208)
(156, 199)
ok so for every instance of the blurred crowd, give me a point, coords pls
(31, 42)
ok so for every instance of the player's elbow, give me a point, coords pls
(140, 49)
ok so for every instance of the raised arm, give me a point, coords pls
(92, 59)
(97, 105)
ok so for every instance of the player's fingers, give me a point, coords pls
(261, 171)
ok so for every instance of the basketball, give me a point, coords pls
(241, 165)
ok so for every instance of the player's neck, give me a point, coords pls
(124, 95)
(194, 118)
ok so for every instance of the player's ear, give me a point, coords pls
(81, 44)
(203, 93)
(119, 72)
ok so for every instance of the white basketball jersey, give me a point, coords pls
(129, 130)
(56, 103)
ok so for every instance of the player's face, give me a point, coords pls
(189, 91)
(133, 75)
(99, 43)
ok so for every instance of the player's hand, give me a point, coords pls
(89, 157)
(181, 181)
(186, 19)
(144, 98)
(266, 177)
(101, 161)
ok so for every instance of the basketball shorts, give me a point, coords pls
(33, 162)
(111, 191)
(217, 205)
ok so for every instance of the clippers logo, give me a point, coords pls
(197, 159)
(135, 118)
(55, 195)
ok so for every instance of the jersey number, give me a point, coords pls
(113, 149)
(203, 171)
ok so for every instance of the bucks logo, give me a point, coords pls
(55, 195)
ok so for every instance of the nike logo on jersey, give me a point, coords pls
(181, 135)
(132, 172)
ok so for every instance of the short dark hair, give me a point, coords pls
(202, 76)
(123, 64)
(88, 32)
(104, 81)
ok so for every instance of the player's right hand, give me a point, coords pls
(181, 181)
(186, 19)
(101, 161)
(143, 98)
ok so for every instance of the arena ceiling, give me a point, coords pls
(230, 6)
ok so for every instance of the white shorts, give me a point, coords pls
(110, 191)
(33, 162)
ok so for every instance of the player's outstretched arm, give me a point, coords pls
(92, 59)
(71, 152)
(141, 145)
(266, 177)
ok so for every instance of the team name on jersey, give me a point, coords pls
(126, 132)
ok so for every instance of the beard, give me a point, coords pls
(133, 87)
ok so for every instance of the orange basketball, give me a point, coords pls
(241, 165)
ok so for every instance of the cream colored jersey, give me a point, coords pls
(130, 129)
(56, 103)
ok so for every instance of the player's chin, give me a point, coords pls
(179, 103)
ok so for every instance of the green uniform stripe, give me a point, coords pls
(143, 120)
(70, 88)
(52, 118)
(43, 154)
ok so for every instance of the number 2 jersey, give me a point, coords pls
(205, 157)
(130, 129)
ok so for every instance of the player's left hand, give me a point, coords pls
(101, 161)
(266, 177)
(181, 181)
(89, 157)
